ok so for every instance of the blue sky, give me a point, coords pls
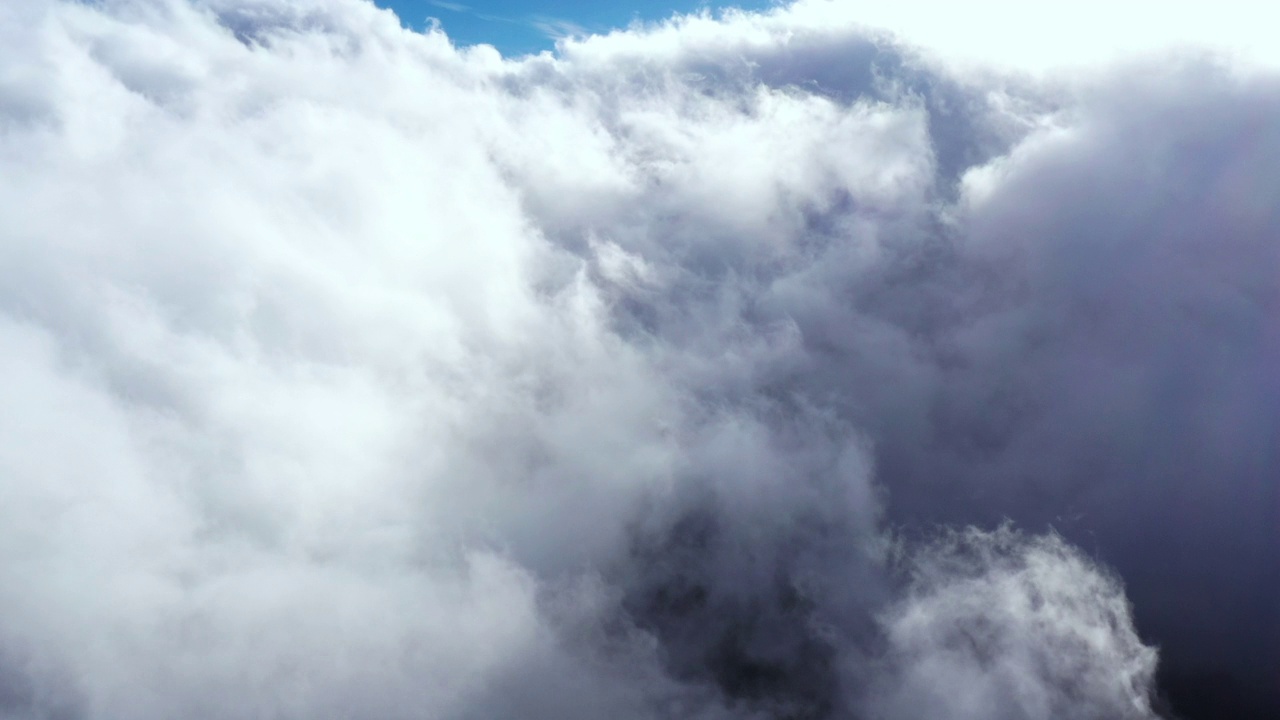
(521, 26)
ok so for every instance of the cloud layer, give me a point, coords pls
(350, 374)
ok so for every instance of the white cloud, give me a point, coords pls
(350, 374)
(996, 625)
(1047, 37)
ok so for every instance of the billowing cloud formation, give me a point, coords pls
(996, 626)
(349, 374)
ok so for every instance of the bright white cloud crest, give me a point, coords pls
(348, 374)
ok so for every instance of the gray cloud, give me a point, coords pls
(982, 632)
(349, 374)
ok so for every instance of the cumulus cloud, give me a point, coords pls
(995, 625)
(352, 374)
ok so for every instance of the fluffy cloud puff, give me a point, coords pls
(351, 374)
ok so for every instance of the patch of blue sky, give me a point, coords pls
(518, 27)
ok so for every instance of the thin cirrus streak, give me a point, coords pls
(750, 366)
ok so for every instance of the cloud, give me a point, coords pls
(1047, 39)
(351, 374)
(557, 28)
(982, 630)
